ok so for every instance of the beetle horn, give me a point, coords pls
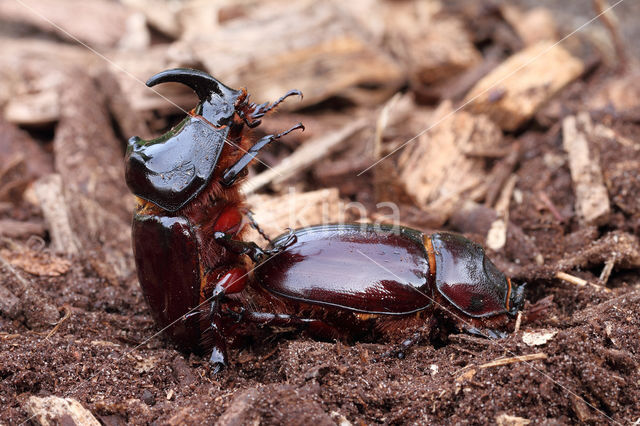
(202, 83)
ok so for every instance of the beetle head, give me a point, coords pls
(470, 281)
(174, 168)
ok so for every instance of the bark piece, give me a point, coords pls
(52, 201)
(33, 110)
(514, 90)
(435, 169)
(37, 263)
(99, 23)
(316, 47)
(17, 229)
(592, 200)
(53, 410)
(294, 210)
(433, 45)
(532, 26)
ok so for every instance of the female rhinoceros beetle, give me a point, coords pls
(354, 279)
(332, 281)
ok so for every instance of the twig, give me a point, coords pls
(512, 360)
(542, 196)
(67, 315)
(609, 20)
(518, 322)
(303, 157)
(606, 271)
(579, 281)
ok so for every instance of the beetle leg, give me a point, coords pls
(317, 328)
(249, 248)
(232, 173)
(487, 333)
(262, 109)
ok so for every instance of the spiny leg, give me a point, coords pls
(260, 110)
(232, 173)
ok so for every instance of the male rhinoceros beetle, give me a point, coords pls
(332, 281)
(184, 184)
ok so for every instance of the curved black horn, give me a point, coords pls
(201, 82)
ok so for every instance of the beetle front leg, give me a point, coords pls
(232, 173)
(315, 327)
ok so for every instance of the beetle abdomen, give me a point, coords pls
(361, 268)
(166, 254)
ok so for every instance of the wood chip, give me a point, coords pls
(509, 420)
(37, 263)
(54, 410)
(532, 26)
(514, 90)
(435, 169)
(538, 337)
(33, 110)
(592, 199)
(515, 359)
(294, 210)
(51, 198)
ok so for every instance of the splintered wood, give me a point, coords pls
(436, 170)
(592, 200)
(514, 90)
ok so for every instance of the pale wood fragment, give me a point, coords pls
(50, 195)
(505, 419)
(435, 169)
(275, 214)
(532, 26)
(592, 200)
(33, 110)
(514, 90)
(54, 410)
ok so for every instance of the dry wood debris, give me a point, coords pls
(592, 200)
(436, 169)
(514, 90)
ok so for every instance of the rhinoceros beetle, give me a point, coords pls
(184, 185)
(352, 280)
(330, 281)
